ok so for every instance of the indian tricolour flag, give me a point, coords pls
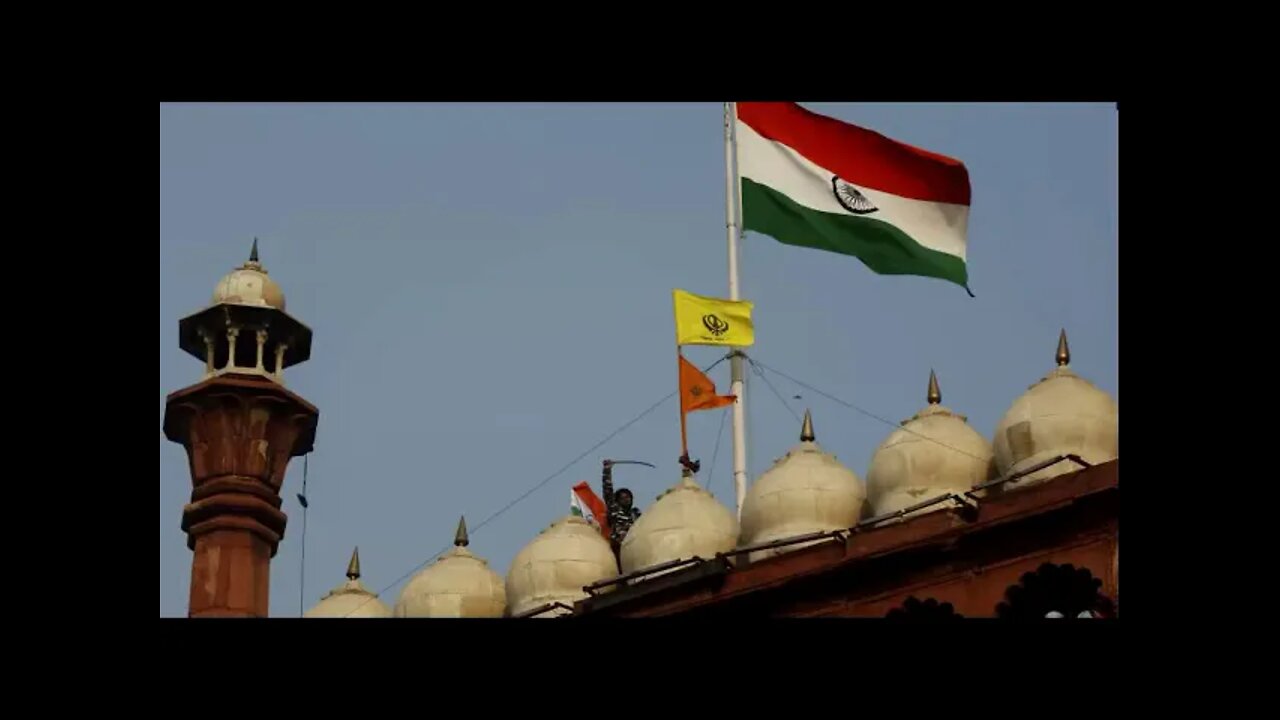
(584, 503)
(816, 182)
(576, 509)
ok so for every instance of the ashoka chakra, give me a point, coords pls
(850, 198)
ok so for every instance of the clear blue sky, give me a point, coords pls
(489, 286)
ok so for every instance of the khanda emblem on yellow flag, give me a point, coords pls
(704, 320)
(715, 325)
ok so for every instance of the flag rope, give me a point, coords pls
(711, 473)
(869, 414)
(776, 394)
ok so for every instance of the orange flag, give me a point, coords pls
(697, 392)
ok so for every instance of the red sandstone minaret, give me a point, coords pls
(240, 427)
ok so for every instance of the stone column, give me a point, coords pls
(232, 334)
(239, 433)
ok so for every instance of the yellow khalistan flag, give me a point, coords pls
(712, 321)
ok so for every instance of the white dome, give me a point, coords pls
(249, 285)
(686, 521)
(805, 491)
(934, 453)
(1060, 415)
(457, 585)
(350, 599)
(555, 566)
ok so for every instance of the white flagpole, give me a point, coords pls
(737, 370)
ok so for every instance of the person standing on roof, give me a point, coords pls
(621, 508)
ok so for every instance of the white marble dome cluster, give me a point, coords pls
(457, 585)
(934, 453)
(808, 490)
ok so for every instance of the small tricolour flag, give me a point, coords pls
(575, 506)
(817, 182)
(584, 503)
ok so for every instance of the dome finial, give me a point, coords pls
(1064, 352)
(935, 393)
(460, 538)
(353, 567)
(253, 253)
(806, 430)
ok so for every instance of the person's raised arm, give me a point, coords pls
(606, 485)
